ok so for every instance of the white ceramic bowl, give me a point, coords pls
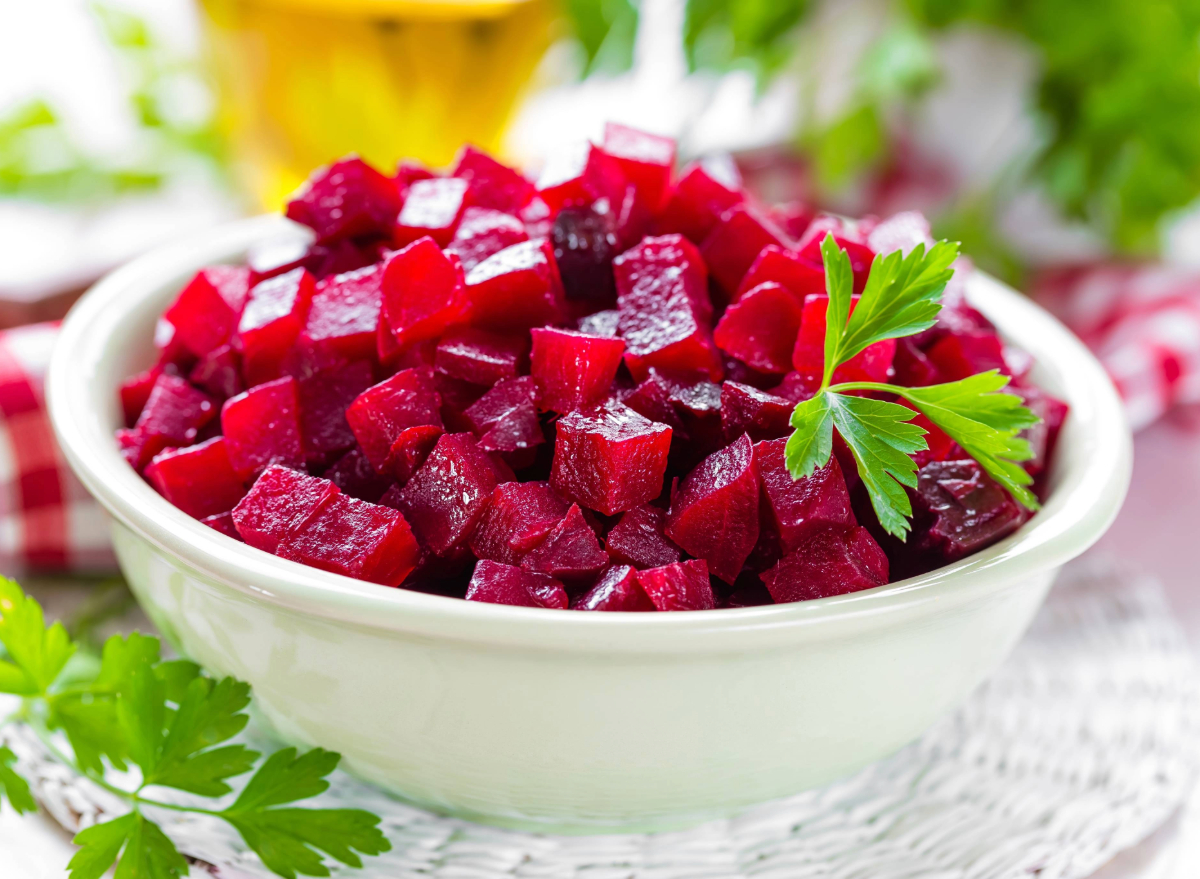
(575, 722)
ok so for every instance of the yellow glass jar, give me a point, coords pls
(302, 82)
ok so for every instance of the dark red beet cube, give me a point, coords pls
(703, 193)
(580, 175)
(797, 387)
(397, 421)
(652, 398)
(206, 311)
(343, 320)
(136, 391)
(735, 242)
(913, 369)
(570, 552)
(966, 509)
(1043, 436)
(517, 519)
(445, 499)
(797, 274)
(794, 508)
(484, 232)
(431, 207)
(748, 410)
(760, 329)
(343, 256)
(498, 583)
(219, 372)
(262, 426)
(222, 522)
(959, 355)
(278, 505)
(198, 479)
(273, 317)
(749, 592)
(345, 200)
(639, 539)
(872, 364)
(573, 370)
(616, 590)
(681, 586)
(714, 514)
(174, 415)
(505, 418)
(354, 475)
(584, 246)
(609, 458)
(515, 289)
(481, 357)
(422, 292)
(834, 560)
(491, 184)
(646, 160)
(847, 238)
(323, 401)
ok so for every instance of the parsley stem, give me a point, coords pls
(867, 386)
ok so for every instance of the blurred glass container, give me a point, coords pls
(303, 82)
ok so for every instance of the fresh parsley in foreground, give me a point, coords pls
(171, 721)
(902, 297)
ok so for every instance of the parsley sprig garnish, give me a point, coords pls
(902, 297)
(173, 723)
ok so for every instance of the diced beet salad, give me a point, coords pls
(572, 393)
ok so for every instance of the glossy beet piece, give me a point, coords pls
(785, 267)
(651, 397)
(408, 172)
(714, 514)
(570, 552)
(422, 292)
(491, 184)
(573, 370)
(698, 405)
(703, 193)
(432, 207)
(174, 415)
(748, 410)
(198, 479)
(760, 329)
(445, 499)
(397, 421)
(505, 418)
(343, 319)
(206, 311)
(639, 539)
(960, 355)
(616, 590)
(271, 258)
(219, 372)
(517, 519)
(847, 238)
(966, 509)
(600, 323)
(498, 583)
(278, 505)
(580, 175)
(354, 475)
(483, 232)
(135, 392)
(345, 200)
(663, 308)
(913, 369)
(481, 357)
(324, 398)
(735, 242)
(609, 458)
(681, 586)
(872, 364)
(262, 426)
(835, 560)
(584, 246)
(515, 289)
(794, 508)
(275, 313)
(645, 159)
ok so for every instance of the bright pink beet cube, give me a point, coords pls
(219, 372)
(422, 292)
(646, 160)
(343, 319)
(491, 184)
(498, 583)
(794, 508)
(408, 172)
(616, 590)
(735, 242)
(356, 539)
(760, 414)
(609, 458)
(960, 510)
(345, 200)
(639, 539)
(432, 207)
(206, 311)
(262, 426)
(570, 552)
(484, 232)
(278, 505)
(680, 586)
(515, 289)
(505, 418)
(397, 421)
(703, 193)
(324, 397)
(714, 513)
(354, 475)
(834, 560)
(872, 364)
(273, 317)
(797, 274)
(517, 519)
(760, 329)
(135, 391)
(445, 499)
(174, 414)
(573, 370)
(579, 175)
(482, 357)
(959, 355)
(664, 310)
(847, 238)
(198, 479)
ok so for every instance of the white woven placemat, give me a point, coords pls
(1083, 744)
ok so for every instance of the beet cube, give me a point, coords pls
(457, 396)
(749, 592)
(422, 292)
(584, 246)
(498, 583)
(174, 415)
(797, 274)
(517, 519)
(847, 238)
(797, 387)
(345, 200)
(646, 160)
(1043, 436)
(616, 590)
(484, 232)
(408, 172)
(966, 509)
(135, 392)
(343, 319)
(397, 421)
(223, 522)
(580, 174)
(913, 369)
(735, 242)
(573, 370)
(481, 357)
(446, 497)
(515, 289)
(278, 505)
(680, 586)
(872, 364)
(505, 418)
(206, 311)
(600, 323)
(198, 479)
(570, 552)
(491, 184)
(431, 207)
(639, 539)
(794, 508)
(959, 355)
(834, 560)
(652, 398)
(273, 317)
(760, 329)
(323, 401)
(354, 475)
(748, 410)
(609, 458)
(702, 194)
(219, 372)
(262, 426)
(714, 514)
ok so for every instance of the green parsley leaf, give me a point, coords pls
(839, 284)
(38, 651)
(146, 852)
(286, 778)
(142, 713)
(14, 786)
(809, 447)
(99, 846)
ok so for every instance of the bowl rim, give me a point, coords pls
(1092, 471)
